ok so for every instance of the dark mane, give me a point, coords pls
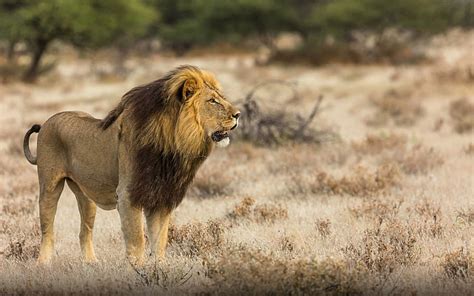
(160, 176)
(144, 101)
(161, 179)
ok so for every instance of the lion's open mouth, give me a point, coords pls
(219, 136)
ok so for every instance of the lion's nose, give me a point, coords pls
(236, 115)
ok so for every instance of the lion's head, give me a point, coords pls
(172, 124)
(184, 111)
(205, 112)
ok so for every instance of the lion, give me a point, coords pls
(140, 159)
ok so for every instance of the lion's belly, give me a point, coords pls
(105, 199)
(97, 182)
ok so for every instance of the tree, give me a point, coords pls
(340, 17)
(185, 23)
(242, 19)
(85, 23)
(9, 29)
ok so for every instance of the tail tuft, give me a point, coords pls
(35, 128)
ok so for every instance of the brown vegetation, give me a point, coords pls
(247, 210)
(398, 107)
(462, 115)
(255, 272)
(458, 264)
(390, 244)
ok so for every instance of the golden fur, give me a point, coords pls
(141, 157)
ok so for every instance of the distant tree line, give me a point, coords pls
(184, 24)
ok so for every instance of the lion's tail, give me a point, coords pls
(26, 143)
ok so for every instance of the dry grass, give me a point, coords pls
(375, 144)
(255, 272)
(462, 115)
(466, 216)
(469, 150)
(431, 218)
(389, 245)
(398, 107)
(361, 181)
(197, 239)
(385, 210)
(396, 150)
(458, 264)
(247, 210)
(211, 182)
(377, 210)
(323, 227)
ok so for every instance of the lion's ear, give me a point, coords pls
(189, 89)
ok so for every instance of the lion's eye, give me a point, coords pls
(213, 101)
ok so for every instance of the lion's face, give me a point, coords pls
(218, 117)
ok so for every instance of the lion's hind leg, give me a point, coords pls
(48, 203)
(87, 210)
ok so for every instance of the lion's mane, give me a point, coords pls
(168, 141)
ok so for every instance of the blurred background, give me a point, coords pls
(35, 33)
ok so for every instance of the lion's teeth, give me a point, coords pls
(223, 143)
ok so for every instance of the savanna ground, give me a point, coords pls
(383, 205)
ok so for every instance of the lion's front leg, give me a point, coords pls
(132, 227)
(131, 216)
(157, 224)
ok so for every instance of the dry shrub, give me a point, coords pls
(23, 207)
(252, 272)
(462, 114)
(389, 245)
(361, 182)
(458, 264)
(323, 227)
(269, 213)
(466, 216)
(377, 210)
(19, 209)
(469, 150)
(286, 244)
(297, 159)
(280, 127)
(394, 149)
(242, 209)
(375, 144)
(196, 239)
(247, 151)
(19, 251)
(431, 216)
(211, 182)
(396, 106)
(157, 275)
(22, 251)
(417, 159)
(262, 213)
(301, 183)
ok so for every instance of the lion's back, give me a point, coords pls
(75, 142)
(62, 129)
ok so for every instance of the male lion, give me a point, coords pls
(140, 158)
